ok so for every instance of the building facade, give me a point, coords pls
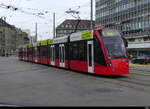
(11, 38)
(70, 26)
(132, 17)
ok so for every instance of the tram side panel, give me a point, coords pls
(25, 54)
(56, 54)
(114, 53)
(100, 63)
(34, 54)
(20, 54)
(31, 55)
(38, 54)
(67, 55)
(78, 56)
(44, 55)
(97, 54)
(48, 52)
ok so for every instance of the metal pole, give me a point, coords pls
(54, 30)
(91, 14)
(35, 32)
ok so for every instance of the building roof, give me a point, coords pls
(5, 24)
(70, 23)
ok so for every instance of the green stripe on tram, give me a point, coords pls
(86, 35)
(44, 42)
(50, 41)
(29, 45)
(38, 43)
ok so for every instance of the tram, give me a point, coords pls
(20, 54)
(99, 51)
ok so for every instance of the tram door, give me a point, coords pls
(52, 55)
(90, 56)
(62, 55)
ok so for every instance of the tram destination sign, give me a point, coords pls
(110, 33)
(84, 35)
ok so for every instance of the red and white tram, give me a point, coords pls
(100, 51)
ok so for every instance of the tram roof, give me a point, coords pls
(38, 43)
(50, 41)
(83, 35)
(44, 42)
(29, 45)
(61, 40)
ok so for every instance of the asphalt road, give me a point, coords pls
(28, 84)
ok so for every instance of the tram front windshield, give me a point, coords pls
(114, 43)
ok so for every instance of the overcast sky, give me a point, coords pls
(23, 18)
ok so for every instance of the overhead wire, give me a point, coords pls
(13, 8)
(39, 12)
(13, 11)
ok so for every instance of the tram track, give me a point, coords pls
(133, 69)
(126, 81)
(136, 80)
(129, 83)
(141, 72)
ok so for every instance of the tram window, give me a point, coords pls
(33, 52)
(41, 51)
(70, 51)
(44, 51)
(66, 51)
(63, 51)
(98, 53)
(48, 52)
(74, 51)
(30, 52)
(51, 50)
(57, 51)
(38, 52)
(78, 50)
(60, 54)
(90, 54)
(83, 51)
